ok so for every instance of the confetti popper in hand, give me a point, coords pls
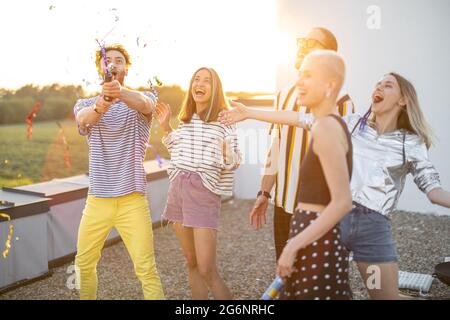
(108, 75)
(273, 290)
(65, 145)
(29, 119)
(10, 234)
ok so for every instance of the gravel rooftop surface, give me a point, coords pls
(246, 260)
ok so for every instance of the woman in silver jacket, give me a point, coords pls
(391, 140)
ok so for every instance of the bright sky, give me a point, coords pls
(48, 41)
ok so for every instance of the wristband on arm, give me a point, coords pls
(264, 193)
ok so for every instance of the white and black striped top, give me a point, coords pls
(117, 146)
(197, 147)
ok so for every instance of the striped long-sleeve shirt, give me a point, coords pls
(290, 144)
(197, 146)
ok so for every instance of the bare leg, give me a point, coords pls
(198, 286)
(205, 252)
(381, 280)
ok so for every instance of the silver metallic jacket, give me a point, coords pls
(381, 163)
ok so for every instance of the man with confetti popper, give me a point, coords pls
(117, 125)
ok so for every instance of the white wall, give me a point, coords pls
(413, 40)
(253, 142)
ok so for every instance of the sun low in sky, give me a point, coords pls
(47, 42)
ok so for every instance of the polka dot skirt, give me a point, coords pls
(321, 268)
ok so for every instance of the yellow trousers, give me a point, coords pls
(130, 215)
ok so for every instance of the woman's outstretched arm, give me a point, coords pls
(439, 196)
(240, 113)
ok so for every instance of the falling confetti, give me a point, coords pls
(108, 74)
(116, 20)
(138, 43)
(10, 234)
(158, 82)
(157, 156)
(37, 106)
(152, 87)
(103, 51)
(159, 160)
(155, 92)
(65, 145)
(86, 82)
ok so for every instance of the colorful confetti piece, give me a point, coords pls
(158, 82)
(10, 234)
(138, 43)
(65, 145)
(157, 156)
(37, 106)
(159, 160)
(152, 87)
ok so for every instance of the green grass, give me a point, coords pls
(40, 159)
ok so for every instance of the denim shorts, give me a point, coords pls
(368, 234)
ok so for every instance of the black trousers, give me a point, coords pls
(281, 224)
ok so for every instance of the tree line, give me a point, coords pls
(58, 101)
